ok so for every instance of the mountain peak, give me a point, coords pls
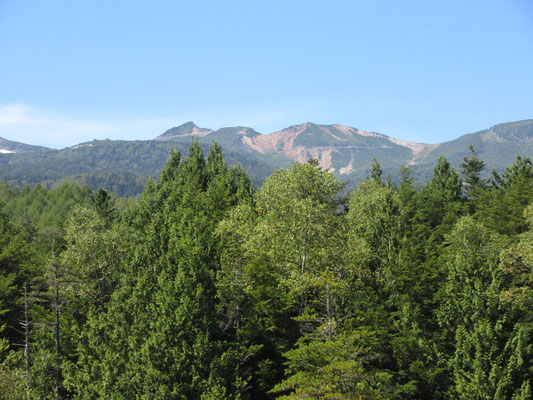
(187, 125)
(186, 129)
(10, 146)
(513, 132)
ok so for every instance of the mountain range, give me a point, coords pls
(122, 166)
(10, 146)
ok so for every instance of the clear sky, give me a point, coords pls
(429, 71)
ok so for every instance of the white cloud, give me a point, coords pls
(14, 114)
(36, 126)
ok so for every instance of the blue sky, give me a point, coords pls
(424, 71)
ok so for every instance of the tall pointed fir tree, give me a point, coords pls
(159, 338)
(471, 168)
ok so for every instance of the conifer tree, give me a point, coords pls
(471, 171)
(406, 189)
(104, 205)
(376, 171)
(501, 206)
(163, 338)
(488, 338)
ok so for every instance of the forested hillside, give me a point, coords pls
(205, 288)
(122, 167)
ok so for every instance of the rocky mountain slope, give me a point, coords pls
(349, 151)
(339, 148)
(122, 166)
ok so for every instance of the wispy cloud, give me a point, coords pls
(32, 125)
(14, 114)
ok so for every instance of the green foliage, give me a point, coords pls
(104, 205)
(120, 167)
(206, 289)
(501, 206)
(375, 217)
(251, 310)
(12, 374)
(490, 357)
(332, 369)
(471, 170)
(17, 265)
(376, 171)
(94, 252)
(445, 181)
(41, 209)
(179, 351)
(295, 227)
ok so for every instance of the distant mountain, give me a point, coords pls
(349, 152)
(122, 166)
(187, 129)
(497, 147)
(10, 146)
(344, 150)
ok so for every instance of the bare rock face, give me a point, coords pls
(337, 148)
(326, 142)
(346, 151)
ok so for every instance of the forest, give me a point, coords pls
(206, 288)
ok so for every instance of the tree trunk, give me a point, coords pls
(27, 341)
(58, 350)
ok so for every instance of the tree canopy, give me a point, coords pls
(205, 288)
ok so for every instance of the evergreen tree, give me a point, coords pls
(104, 205)
(17, 266)
(427, 215)
(376, 172)
(471, 171)
(206, 289)
(159, 337)
(406, 189)
(516, 266)
(489, 339)
(501, 206)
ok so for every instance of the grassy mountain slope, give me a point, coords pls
(122, 166)
(496, 146)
